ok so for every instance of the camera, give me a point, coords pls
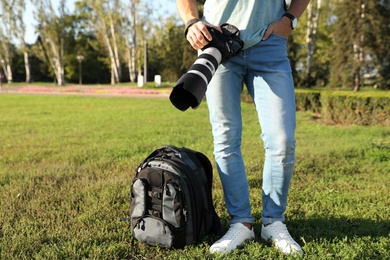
(190, 89)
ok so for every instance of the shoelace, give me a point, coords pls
(282, 231)
(232, 233)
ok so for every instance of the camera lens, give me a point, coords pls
(191, 87)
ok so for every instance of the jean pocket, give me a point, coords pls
(279, 36)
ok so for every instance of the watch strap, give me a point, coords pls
(188, 24)
(291, 17)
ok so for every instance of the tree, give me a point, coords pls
(105, 19)
(313, 14)
(20, 31)
(319, 45)
(166, 49)
(361, 37)
(144, 31)
(377, 41)
(130, 33)
(53, 33)
(8, 26)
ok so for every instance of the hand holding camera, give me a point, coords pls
(191, 87)
(197, 34)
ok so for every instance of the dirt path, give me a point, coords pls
(99, 91)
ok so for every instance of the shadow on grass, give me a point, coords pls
(323, 227)
(340, 227)
(312, 230)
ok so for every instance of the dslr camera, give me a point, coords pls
(191, 87)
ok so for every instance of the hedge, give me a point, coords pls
(307, 100)
(343, 107)
(355, 108)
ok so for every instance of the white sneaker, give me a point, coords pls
(236, 236)
(278, 234)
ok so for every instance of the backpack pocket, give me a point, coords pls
(172, 210)
(157, 232)
(138, 199)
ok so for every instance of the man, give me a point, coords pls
(264, 67)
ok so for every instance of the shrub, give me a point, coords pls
(355, 108)
(342, 107)
(308, 100)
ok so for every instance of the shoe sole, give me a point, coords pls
(241, 246)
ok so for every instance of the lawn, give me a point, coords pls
(66, 164)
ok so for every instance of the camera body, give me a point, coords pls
(191, 87)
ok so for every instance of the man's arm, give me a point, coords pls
(297, 7)
(283, 26)
(197, 33)
(187, 10)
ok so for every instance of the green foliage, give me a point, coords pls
(322, 61)
(361, 37)
(66, 164)
(166, 50)
(355, 108)
(341, 31)
(308, 100)
(342, 107)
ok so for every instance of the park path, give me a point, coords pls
(75, 90)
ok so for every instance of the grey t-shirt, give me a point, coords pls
(251, 17)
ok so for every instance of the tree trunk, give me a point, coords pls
(311, 37)
(114, 71)
(51, 36)
(27, 67)
(8, 20)
(133, 45)
(358, 49)
(115, 50)
(9, 73)
(105, 25)
(356, 80)
(57, 66)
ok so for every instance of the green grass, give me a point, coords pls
(66, 164)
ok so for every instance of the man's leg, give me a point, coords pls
(271, 84)
(223, 99)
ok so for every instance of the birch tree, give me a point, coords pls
(313, 14)
(120, 27)
(358, 45)
(137, 28)
(52, 30)
(104, 20)
(129, 25)
(20, 32)
(114, 19)
(7, 27)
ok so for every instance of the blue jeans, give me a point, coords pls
(266, 72)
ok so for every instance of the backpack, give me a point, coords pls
(170, 197)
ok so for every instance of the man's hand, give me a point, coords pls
(281, 27)
(198, 35)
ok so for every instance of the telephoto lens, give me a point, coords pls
(191, 87)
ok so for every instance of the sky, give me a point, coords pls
(29, 20)
(165, 7)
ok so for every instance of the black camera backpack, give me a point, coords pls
(171, 201)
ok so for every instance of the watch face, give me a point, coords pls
(294, 22)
